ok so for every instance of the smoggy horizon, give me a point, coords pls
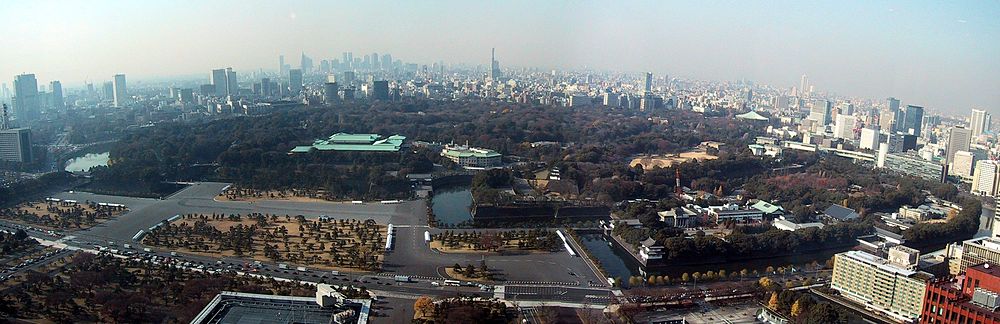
(938, 55)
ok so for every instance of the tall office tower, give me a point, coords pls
(265, 87)
(494, 65)
(844, 127)
(347, 79)
(4, 118)
(57, 95)
(295, 81)
(958, 140)
(5, 92)
(386, 62)
(610, 99)
(330, 90)
(282, 67)
(27, 103)
(375, 63)
(870, 139)
(980, 122)
(306, 63)
(380, 90)
(232, 86)
(803, 86)
(890, 119)
(913, 119)
(121, 90)
(648, 85)
(108, 90)
(15, 145)
(963, 164)
(819, 111)
(185, 95)
(986, 178)
(346, 60)
(218, 79)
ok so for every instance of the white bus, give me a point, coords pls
(455, 283)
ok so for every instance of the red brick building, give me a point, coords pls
(972, 298)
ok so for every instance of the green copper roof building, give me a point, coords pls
(354, 143)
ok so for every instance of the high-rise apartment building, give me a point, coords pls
(120, 91)
(979, 123)
(889, 286)
(27, 103)
(958, 140)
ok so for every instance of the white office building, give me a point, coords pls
(120, 90)
(963, 164)
(986, 178)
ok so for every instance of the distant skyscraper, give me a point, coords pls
(330, 90)
(958, 140)
(648, 85)
(232, 86)
(27, 104)
(820, 111)
(108, 90)
(913, 119)
(386, 62)
(844, 127)
(121, 90)
(980, 122)
(282, 67)
(57, 95)
(218, 79)
(803, 85)
(494, 65)
(295, 81)
(380, 90)
(891, 118)
(375, 62)
(306, 63)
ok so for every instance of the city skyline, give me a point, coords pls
(939, 56)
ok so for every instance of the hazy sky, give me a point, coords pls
(941, 54)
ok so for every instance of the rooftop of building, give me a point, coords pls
(766, 207)
(840, 212)
(234, 307)
(462, 151)
(354, 142)
(884, 265)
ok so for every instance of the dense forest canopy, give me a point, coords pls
(253, 151)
